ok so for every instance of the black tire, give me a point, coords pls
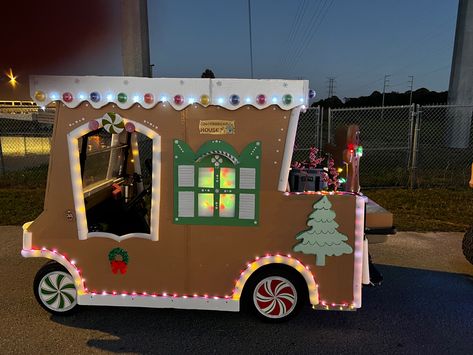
(275, 293)
(55, 290)
(467, 245)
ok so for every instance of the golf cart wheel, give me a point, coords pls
(275, 295)
(55, 290)
(467, 245)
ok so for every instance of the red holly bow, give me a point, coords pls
(118, 266)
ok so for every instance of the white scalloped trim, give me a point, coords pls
(164, 89)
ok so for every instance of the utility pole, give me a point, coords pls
(460, 90)
(386, 83)
(411, 82)
(251, 38)
(331, 87)
(135, 38)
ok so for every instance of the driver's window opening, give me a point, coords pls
(116, 181)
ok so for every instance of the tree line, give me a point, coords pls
(420, 96)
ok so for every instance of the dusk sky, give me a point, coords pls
(357, 42)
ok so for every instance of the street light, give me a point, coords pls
(12, 78)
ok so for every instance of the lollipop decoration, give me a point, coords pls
(94, 125)
(129, 127)
(113, 123)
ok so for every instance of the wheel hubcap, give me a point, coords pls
(275, 297)
(57, 291)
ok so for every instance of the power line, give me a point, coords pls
(401, 52)
(295, 44)
(299, 45)
(296, 24)
(310, 35)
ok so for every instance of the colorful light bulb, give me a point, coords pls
(178, 99)
(40, 96)
(148, 98)
(234, 99)
(261, 99)
(205, 100)
(122, 97)
(67, 97)
(359, 151)
(287, 99)
(94, 96)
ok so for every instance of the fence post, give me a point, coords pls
(320, 111)
(329, 125)
(414, 147)
(409, 143)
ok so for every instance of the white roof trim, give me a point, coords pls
(218, 91)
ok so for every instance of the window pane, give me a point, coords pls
(206, 177)
(227, 178)
(227, 205)
(206, 205)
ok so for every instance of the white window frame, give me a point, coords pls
(78, 193)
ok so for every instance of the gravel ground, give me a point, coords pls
(424, 306)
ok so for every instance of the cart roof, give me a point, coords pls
(148, 92)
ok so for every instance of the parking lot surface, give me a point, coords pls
(425, 305)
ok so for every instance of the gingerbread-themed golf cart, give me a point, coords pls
(173, 193)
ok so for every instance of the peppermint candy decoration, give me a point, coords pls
(275, 297)
(57, 291)
(113, 123)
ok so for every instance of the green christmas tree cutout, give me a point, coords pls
(322, 239)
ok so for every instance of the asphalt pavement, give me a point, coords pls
(425, 305)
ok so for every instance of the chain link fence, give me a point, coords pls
(25, 143)
(405, 146)
(309, 133)
(443, 148)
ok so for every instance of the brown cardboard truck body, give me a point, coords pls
(188, 258)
